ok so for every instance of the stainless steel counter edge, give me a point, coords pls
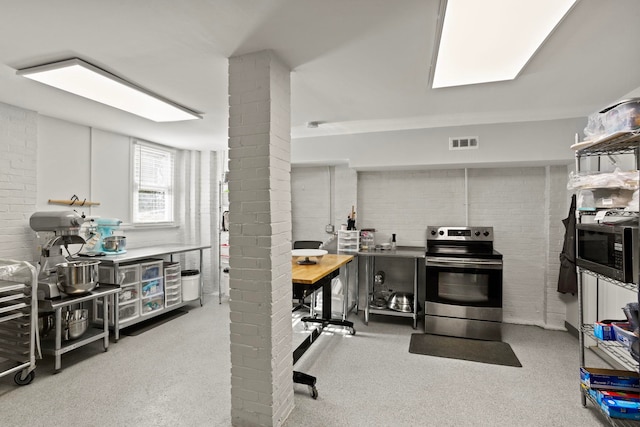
(102, 290)
(136, 254)
(400, 252)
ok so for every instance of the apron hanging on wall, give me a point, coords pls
(568, 277)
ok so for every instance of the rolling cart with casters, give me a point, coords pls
(18, 320)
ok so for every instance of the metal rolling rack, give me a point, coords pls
(18, 329)
(617, 143)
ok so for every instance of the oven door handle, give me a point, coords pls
(463, 263)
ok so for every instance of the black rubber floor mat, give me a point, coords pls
(493, 352)
(146, 325)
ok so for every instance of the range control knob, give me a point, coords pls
(441, 232)
(486, 233)
(477, 233)
(433, 232)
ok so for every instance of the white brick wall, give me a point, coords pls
(406, 202)
(260, 240)
(310, 201)
(558, 202)
(321, 196)
(512, 200)
(524, 205)
(18, 144)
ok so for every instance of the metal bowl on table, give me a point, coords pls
(77, 277)
(401, 301)
(114, 243)
(75, 323)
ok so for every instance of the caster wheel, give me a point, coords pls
(314, 392)
(18, 378)
(353, 331)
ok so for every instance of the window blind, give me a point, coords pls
(153, 184)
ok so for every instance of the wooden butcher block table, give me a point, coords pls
(309, 278)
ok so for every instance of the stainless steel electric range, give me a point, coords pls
(464, 283)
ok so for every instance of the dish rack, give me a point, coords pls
(18, 320)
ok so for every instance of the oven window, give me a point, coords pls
(463, 287)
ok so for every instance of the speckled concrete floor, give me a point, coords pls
(178, 374)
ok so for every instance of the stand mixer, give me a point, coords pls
(65, 227)
(102, 240)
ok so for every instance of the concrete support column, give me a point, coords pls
(260, 240)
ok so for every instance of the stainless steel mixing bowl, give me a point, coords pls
(114, 243)
(77, 277)
(401, 301)
(75, 323)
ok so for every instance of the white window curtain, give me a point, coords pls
(153, 176)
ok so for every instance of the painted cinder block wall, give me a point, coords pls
(46, 158)
(525, 206)
(260, 240)
(18, 149)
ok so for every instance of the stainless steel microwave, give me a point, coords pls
(610, 250)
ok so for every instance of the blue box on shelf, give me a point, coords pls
(604, 331)
(617, 395)
(621, 409)
(610, 379)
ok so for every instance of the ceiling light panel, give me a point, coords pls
(88, 81)
(492, 40)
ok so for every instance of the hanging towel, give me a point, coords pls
(568, 278)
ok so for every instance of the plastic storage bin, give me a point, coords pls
(128, 312)
(128, 274)
(151, 287)
(128, 293)
(348, 241)
(150, 305)
(172, 284)
(151, 270)
(190, 285)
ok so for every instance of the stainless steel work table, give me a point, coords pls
(138, 254)
(413, 252)
(56, 305)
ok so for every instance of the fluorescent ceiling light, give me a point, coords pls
(492, 40)
(86, 80)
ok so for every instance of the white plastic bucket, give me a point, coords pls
(190, 285)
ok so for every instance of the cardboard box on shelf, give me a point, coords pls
(604, 331)
(621, 409)
(610, 379)
(624, 334)
(617, 395)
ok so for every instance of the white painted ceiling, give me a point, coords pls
(357, 65)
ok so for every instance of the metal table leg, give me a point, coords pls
(58, 345)
(345, 293)
(369, 267)
(116, 311)
(202, 284)
(357, 278)
(415, 294)
(105, 319)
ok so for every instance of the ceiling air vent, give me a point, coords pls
(463, 143)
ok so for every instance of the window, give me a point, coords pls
(153, 183)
